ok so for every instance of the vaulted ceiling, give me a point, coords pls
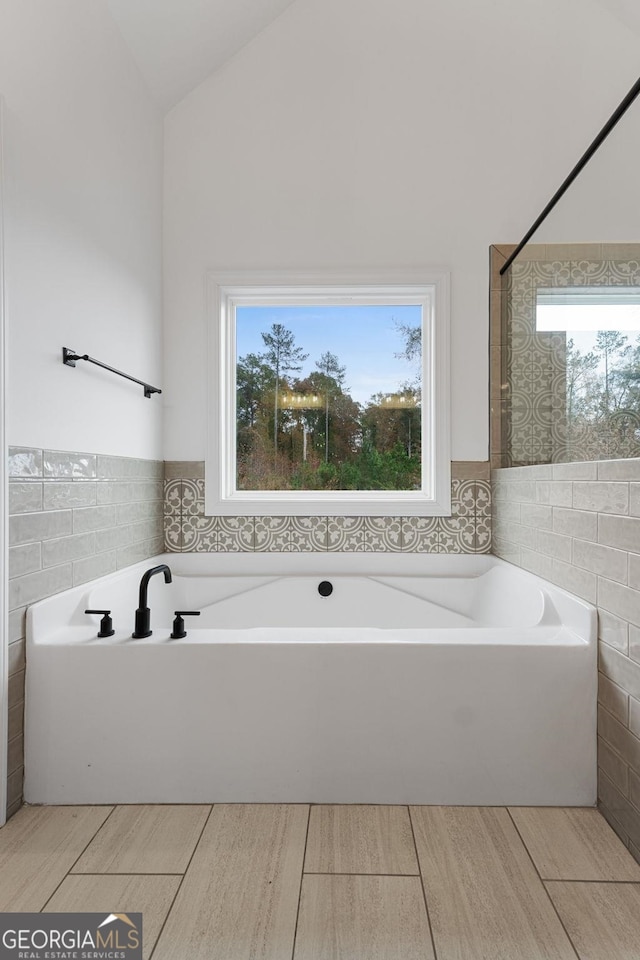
(178, 43)
(628, 11)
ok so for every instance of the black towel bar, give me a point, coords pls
(69, 358)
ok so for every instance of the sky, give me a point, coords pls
(583, 322)
(364, 338)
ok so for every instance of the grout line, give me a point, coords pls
(86, 846)
(424, 892)
(302, 874)
(172, 904)
(355, 873)
(137, 873)
(630, 883)
(555, 909)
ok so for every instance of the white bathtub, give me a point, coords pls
(421, 679)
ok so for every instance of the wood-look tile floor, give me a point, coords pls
(324, 882)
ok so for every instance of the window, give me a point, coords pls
(594, 333)
(329, 395)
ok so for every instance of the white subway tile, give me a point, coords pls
(613, 630)
(620, 669)
(558, 493)
(604, 497)
(575, 523)
(554, 545)
(537, 515)
(605, 561)
(613, 698)
(621, 532)
(584, 470)
(634, 716)
(536, 563)
(580, 582)
(619, 469)
(620, 600)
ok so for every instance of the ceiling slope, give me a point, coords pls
(178, 43)
(628, 11)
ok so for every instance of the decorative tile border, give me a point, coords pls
(468, 530)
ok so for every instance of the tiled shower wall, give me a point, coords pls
(528, 367)
(578, 525)
(73, 517)
(573, 515)
(467, 530)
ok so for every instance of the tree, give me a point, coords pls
(614, 350)
(580, 377)
(412, 350)
(254, 380)
(284, 358)
(334, 374)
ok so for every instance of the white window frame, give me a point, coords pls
(225, 291)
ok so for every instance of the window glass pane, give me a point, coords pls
(596, 332)
(328, 397)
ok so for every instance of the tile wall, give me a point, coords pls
(571, 511)
(468, 530)
(578, 525)
(72, 517)
(528, 368)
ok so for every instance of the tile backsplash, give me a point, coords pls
(72, 517)
(467, 530)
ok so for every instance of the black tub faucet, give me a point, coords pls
(143, 613)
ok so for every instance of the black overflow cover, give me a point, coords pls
(325, 589)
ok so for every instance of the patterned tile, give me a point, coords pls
(172, 533)
(272, 533)
(173, 498)
(192, 498)
(309, 533)
(463, 495)
(533, 365)
(457, 534)
(234, 534)
(421, 534)
(290, 534)
(365, 534)
(466, 531)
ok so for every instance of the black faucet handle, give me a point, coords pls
(179, 631)
(106, 624)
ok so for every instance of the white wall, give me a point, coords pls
(83, 145)
(366, 133)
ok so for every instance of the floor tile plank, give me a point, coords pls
(151, 896)
(239, 898)
(150, 838)
(362, 918)
(485, 900)
(360, 839)
(38, 846)
(573, 843)
(602, 919)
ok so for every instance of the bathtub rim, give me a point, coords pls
(577, 614)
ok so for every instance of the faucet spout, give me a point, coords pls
(143, 613)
